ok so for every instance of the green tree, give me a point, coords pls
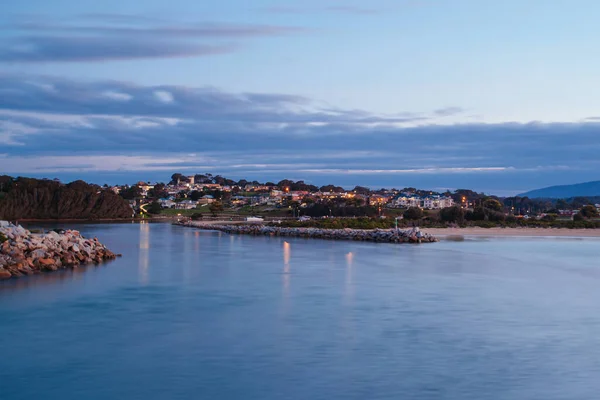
(178, 177)
(361, 190)
(195, 195)
(131, 193)
(453, 214)
(413, 213)
(578, 217)
(588, 211)
(216, 207)
(154, 208)
(196, 216)
(158, 191)
(493, 204)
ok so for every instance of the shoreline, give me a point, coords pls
(441, 232)
(515, 232)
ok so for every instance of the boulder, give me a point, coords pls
(4, 274)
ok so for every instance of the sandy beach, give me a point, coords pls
(549, 232)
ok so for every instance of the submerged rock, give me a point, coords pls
(24, 253)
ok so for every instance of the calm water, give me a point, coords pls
(198, 315)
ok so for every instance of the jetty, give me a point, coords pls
(413, 235)
(25, 253)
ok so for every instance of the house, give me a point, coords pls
(433, 202)
(186, 205)
(166, 203)
(206, 199)
(377, 200)
(405, 201)
(437, 202)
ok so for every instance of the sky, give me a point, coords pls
(500, 97)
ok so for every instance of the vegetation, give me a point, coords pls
(455, 214)
(387, 223)
(413, 213)
(588, 212)
(216, 207)
(196, 216)
(131, 193)
(27, 198)
(154, 208)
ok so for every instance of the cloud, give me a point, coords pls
(340, 9)
(198, 30)
(164, 96)
(449, 111)
(46, 121)
(71, 49)
(117, 96)
(205, 104)
(120, 37)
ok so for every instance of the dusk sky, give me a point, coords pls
(499, 97)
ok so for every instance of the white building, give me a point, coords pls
(186, 205)
(428, 202)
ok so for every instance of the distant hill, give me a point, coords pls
(26, 198)
(587, 189)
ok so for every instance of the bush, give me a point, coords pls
(196, 216)
(588, 212)
(155, 208)
(413, 213)
(3, 238)
(452, 214)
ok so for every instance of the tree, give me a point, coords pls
(196, 216)
(216, 207)
(177, 177)
(453, 214)
(578, 217)
(155, 208)
(562, 204)
(413, 213)
(361, 190)
(588, 212)
(195, 195)
(158, 191)
(131, 193)
(331, 188)
(492, 204)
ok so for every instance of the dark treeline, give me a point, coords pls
(27, 198)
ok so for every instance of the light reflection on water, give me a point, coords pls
(192, 314)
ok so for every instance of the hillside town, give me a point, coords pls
(208, 193)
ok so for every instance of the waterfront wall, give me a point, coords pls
(413, 235)
(25, 253)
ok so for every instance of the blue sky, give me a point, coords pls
(495, 96)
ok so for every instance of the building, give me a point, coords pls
(186, 205)
(433, 202)
(206, 199)
(166, 203)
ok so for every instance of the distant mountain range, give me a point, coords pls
(587, 189)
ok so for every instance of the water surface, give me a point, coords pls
(187, 314)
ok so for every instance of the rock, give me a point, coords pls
(46, 261)
(413, 235)
(4, 274)
(26, 253)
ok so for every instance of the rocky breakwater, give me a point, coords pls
(25, 253)
(413, 235)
